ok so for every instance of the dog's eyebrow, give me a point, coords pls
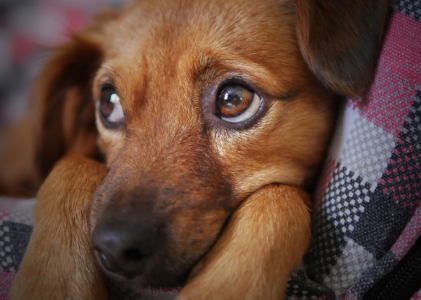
(254, 71)
(109, 71)
(209, 68)
(203, 66)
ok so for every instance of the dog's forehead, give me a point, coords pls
(161, 31)
(158, 48)
(207, 18)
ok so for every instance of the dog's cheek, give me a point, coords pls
(110, 142)
(287, 146)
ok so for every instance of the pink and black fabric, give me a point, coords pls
(366, 222)
(368, 213)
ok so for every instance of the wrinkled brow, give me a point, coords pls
(206, 68)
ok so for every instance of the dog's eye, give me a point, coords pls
(237, 103)
(110, 107)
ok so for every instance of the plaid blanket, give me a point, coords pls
(368, 211)
(15, 230)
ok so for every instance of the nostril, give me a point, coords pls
(124, 247)
(133, 255)
(102, 257)
(108, 262)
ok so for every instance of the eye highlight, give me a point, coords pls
(236, 103)
(110, 109)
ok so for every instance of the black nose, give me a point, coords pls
(124, 247)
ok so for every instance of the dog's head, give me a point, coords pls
(194, 105)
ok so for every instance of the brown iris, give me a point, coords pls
(110, 109)
(233, 101)
(106, 105)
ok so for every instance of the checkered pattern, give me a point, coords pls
(15, 231)
(368, 212)
(410, 8)
(368, 150)
(367, 204)
(301, 287)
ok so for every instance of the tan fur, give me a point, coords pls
(58, 263)
(230, 199)
(232, 271)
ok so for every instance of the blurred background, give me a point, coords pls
(28, 28)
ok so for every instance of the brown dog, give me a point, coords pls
(213, 117)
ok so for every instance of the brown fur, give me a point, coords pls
(339, 40)
(58, 263)
(236, 271)
(212, 188)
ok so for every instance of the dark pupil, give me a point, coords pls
(106, 106)
(232, 97)
(234, 100)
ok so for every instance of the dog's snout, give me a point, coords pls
(124, 247)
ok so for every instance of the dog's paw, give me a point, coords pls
(58, 263)
(262, 243)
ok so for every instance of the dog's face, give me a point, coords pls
(195, 105)
(198, 104)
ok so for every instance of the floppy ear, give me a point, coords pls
(66, 113)
(341, 39)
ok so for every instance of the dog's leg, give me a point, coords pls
(262, 243)
(58, 263)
